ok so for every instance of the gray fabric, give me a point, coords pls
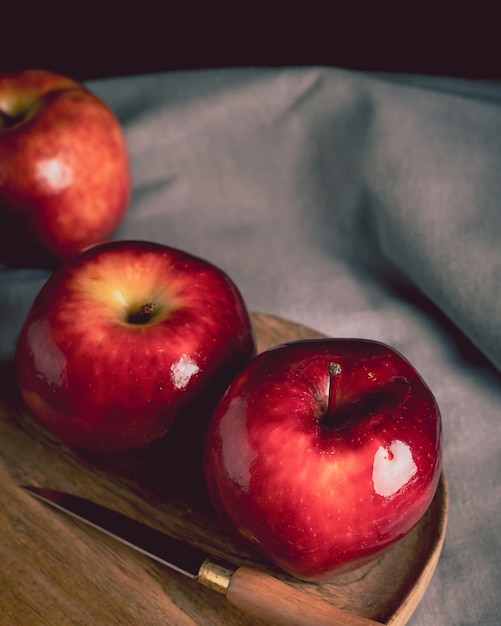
(361, 205)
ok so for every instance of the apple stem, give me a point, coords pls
(334, 372)
(143, 315)
(4, 119)
(7, 121)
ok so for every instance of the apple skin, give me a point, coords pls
(321, 486)
(123, 338)
(65, 180)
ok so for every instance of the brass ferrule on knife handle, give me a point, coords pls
(216, 574)
(268, 598)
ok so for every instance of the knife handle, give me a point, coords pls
(277, 603)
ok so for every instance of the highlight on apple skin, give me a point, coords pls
(323, 453)
(123, 339)
(65, 179)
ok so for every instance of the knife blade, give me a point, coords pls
(249, 590)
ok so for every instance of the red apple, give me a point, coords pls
(123, 338)
(64, 168)
(322, 453)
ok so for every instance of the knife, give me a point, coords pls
(249, 590)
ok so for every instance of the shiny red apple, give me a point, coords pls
(65, 178)
(123, 338)
(322, 453)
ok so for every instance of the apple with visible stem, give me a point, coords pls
(324, 452)
(65, 180)
(123, 339)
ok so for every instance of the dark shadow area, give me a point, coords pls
(89, 44)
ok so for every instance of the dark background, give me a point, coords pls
(87, 41)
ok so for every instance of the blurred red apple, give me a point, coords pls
(322, 453)
(64, 167)
(121, 341)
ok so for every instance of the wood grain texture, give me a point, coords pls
(55, 570)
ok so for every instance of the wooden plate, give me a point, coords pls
(56, 570)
